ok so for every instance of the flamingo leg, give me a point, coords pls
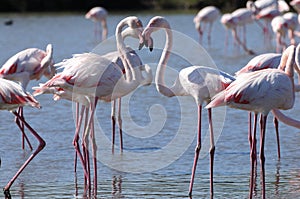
(209, 33)
(42, 144)
(85, 145)
(76, 142)
(212, 152)
(276, 124)
(21, 127)
(120, 126)
(262, 154)
(93, 141)
(250, 128)
(252, 155)
(113, 121)
(197, 151)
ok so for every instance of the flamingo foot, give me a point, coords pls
(7, 193)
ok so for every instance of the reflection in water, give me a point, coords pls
(117, 187)
(277, 176)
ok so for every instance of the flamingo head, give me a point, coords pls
(154, 24)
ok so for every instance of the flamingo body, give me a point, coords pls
(259, 91)
(28, 64)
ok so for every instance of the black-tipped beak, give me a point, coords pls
(141, 45)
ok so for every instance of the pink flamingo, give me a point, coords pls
(200, 82)
(267, 14)
(296, 5)
(96, 77)
(98, 15)
(26, 65)
(279, 27)
(240, 17)
(13, 96)
(260, 92)
(208, 15)
(291, 19)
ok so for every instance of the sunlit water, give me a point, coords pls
(146, 169)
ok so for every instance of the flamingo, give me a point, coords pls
(98, 15)
(208, 15)
(279, 27)
(267, 14)
(296, 5)
(291, 19)
(260, 92)
(26, 65)
(13, 96)
(137, 62)
(200, 82)
(238, 18)
(98, 78)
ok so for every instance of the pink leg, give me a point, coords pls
(252, 156)
(276, 124)
(262, 154)
(42, 144)
(21, 127)
(120, 126)
(94, 146)
(113, 121)
(212, 152)
(76, 140)
(197, 151)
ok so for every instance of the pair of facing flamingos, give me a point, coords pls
(260, 91)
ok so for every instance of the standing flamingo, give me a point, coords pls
(291, 19)
(296, 5)
(260, 92)
(98, 15)
(279, 27)
(200, 82)
(137, 62)
(208, 15)
(94, 76)
(13, 96)
(28, 64)
(240, 17)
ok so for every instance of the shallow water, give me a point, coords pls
(160, 132)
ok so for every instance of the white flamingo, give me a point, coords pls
(200, 82)
(12, 97)
(94, 76)
(260, 92)
(98, 15)
(26, 65)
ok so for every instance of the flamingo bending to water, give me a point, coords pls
(260, 92)
(200, 82)
(14, 96)
(98, 15)
(26, 65)
(207, 15)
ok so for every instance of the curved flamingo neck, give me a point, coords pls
(122, 49)
(161, 68)
(285, 119)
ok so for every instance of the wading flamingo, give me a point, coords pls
(291, 19)
(279, 27)
(13, 96)
(94, 76)
(98, 15)
(296, 5)
(26, 65)
(240, 17)
(200, 82)
(260, 92)
(207, 15)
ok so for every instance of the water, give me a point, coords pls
(160, 132)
